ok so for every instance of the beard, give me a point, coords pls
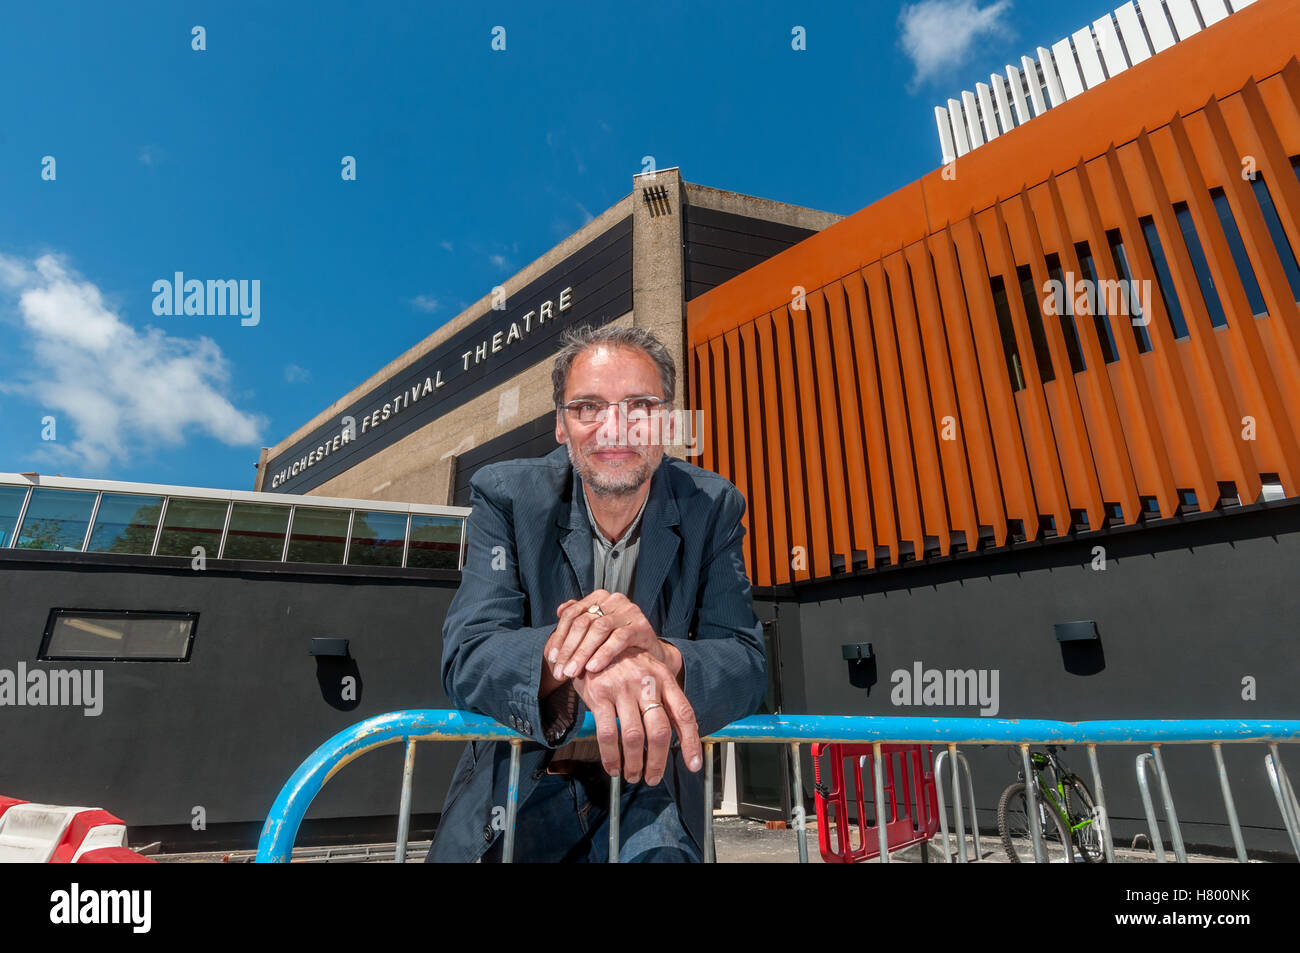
(624, 482)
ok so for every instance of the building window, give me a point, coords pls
(1008, 332)
(1202, 267)
(56, 519)
(435, 542)
(1102, 301)
(1239, 257)
(1029, 294)
(125, 523)
(1065, 314)
(1133, 307)
(188, 523)
(318, 535)
(118, 636)
(1275, 230)
(1164, 279)
(377, 539)
(256, 531)
(11, 507)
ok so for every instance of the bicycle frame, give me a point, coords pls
(1056, 796)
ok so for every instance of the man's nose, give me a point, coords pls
(609, 428)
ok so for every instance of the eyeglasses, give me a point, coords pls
(632, 409)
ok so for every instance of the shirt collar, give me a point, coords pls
(595, 530)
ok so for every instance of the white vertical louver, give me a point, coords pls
(1111, 44)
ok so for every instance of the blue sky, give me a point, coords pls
(225, 163)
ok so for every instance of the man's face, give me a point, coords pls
(613, 457)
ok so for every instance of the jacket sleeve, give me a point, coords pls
(726, 668)
(491, 661)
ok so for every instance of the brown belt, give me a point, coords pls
(575, 756)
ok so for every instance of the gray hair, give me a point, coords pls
(576, 340)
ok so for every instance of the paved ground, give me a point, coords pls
(738, 841)
(745, 841)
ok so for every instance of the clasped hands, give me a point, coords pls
(630, 680)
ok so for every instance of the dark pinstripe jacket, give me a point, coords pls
(690, 582)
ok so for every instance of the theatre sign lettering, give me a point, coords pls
(592, 285)
(548, 310)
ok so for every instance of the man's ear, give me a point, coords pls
(560, 435)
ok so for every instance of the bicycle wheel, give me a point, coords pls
(1086, 828)
(1017, 839)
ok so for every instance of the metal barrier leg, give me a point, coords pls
(1175, 832)
(800, 821)
(708, 803)
(1228, 803)
(1285, 795)
(1031, 807)
(943, 808)
(970, 798)
(1102, 817)
(882, 821)
(615, 815)
(512, 803)
(959, 821)
(1142, 761)
(404, 811)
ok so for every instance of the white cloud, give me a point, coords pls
(498, 260)
(114, 391)
(445, 245)
(150, 155)
(938, 35)
(295, 374)
(424, 303)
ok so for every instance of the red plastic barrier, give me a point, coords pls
(81, 825)
(912, 805)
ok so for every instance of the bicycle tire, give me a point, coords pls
(1013, 828)
(1079, 805)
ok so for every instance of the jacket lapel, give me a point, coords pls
(659, 545)
(575, 535)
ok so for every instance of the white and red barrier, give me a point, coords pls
(57, 834)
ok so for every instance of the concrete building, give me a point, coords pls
(479, 388)
(1030, 421)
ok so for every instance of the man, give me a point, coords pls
(604, 577)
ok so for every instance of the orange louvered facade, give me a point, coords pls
(925, 397)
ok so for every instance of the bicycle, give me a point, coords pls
(1067, 815)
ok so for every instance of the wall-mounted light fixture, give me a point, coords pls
(855, 651)
(1076, 631)
(329, 647)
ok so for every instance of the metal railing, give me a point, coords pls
(411, 727)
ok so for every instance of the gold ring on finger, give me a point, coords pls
(595, 610)
(650, 707)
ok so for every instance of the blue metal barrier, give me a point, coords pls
(281, 827)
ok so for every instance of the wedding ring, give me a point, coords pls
(595, 610)
(650, 707)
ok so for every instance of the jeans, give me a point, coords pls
(566, 819)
